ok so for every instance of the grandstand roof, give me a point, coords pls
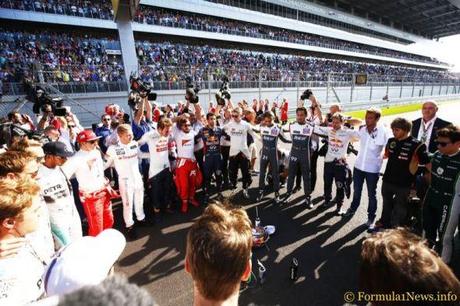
(432, 18)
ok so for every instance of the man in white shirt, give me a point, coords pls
(124, 156)
(160, 176)
(57, 194)
(188, 175)
(373, 138)
(239, 152)
(94, 189)
(335, 161)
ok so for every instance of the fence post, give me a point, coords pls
(401, 89)
(413, 88)
(370, 91)
(440, 88)
(388, 89)
(260, 84)
(423, 89)
(432, 88)
(352, 87)
(298, 85)
(209, 85)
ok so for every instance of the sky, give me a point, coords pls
(451, 51)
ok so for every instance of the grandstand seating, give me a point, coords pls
(178, 19)
(81, 8)
(63, 56)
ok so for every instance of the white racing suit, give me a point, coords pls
(126, 161)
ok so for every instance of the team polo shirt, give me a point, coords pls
(400, 153)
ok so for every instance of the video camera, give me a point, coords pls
(41, 99)
(191, 91)
(139, 90)
(306, 94)
(224, 92)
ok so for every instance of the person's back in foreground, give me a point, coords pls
(397, 264)
(219, 255)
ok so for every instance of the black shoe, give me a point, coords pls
(296, 189)
(144, 223)
(288, 198)
(259, 196)
(277, 198)
(131, 233)
(308, 202)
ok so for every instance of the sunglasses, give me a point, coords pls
(442, 144)
(235, 116)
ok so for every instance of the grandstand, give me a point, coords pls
(268, 49)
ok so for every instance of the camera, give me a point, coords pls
(224, 92)
(40, 97)
(306, 94)
(139, 90)
(191, 91)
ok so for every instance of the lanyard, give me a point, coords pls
(425, 130)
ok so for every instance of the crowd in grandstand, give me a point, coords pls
(163, 17)
(81, 8)
(173, 61)
(62, 56)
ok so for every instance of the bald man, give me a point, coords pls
(424, 129)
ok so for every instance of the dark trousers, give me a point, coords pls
(239, 161)
(199, 158)
(334, 171)
(304, 165)
(225, 151)
(313, 165)
(272, 159)
(212, 165)
(395, 204)
(371, 183)
(160, 191)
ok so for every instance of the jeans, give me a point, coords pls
(334, 171)
(371, 182)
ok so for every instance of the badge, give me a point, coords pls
(392, 145)
(440, 170)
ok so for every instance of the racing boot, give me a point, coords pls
(194, 202)
(184, 207)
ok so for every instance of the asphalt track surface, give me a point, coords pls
(327, 248)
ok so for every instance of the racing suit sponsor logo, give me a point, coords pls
(392, 145)
(186, 142)
(440, 171)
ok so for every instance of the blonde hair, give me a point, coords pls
(123, 128)
(14, 162)
(218, 250)
(16, 195)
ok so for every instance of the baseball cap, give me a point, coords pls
(86, 135)
(57, 148)
(84, 262)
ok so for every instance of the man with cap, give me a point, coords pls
(56, 191)
(94, 189)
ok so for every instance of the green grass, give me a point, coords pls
(387, 111)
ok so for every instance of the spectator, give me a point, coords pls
(103, 131)
(218, 255)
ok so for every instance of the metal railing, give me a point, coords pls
(17, 89)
